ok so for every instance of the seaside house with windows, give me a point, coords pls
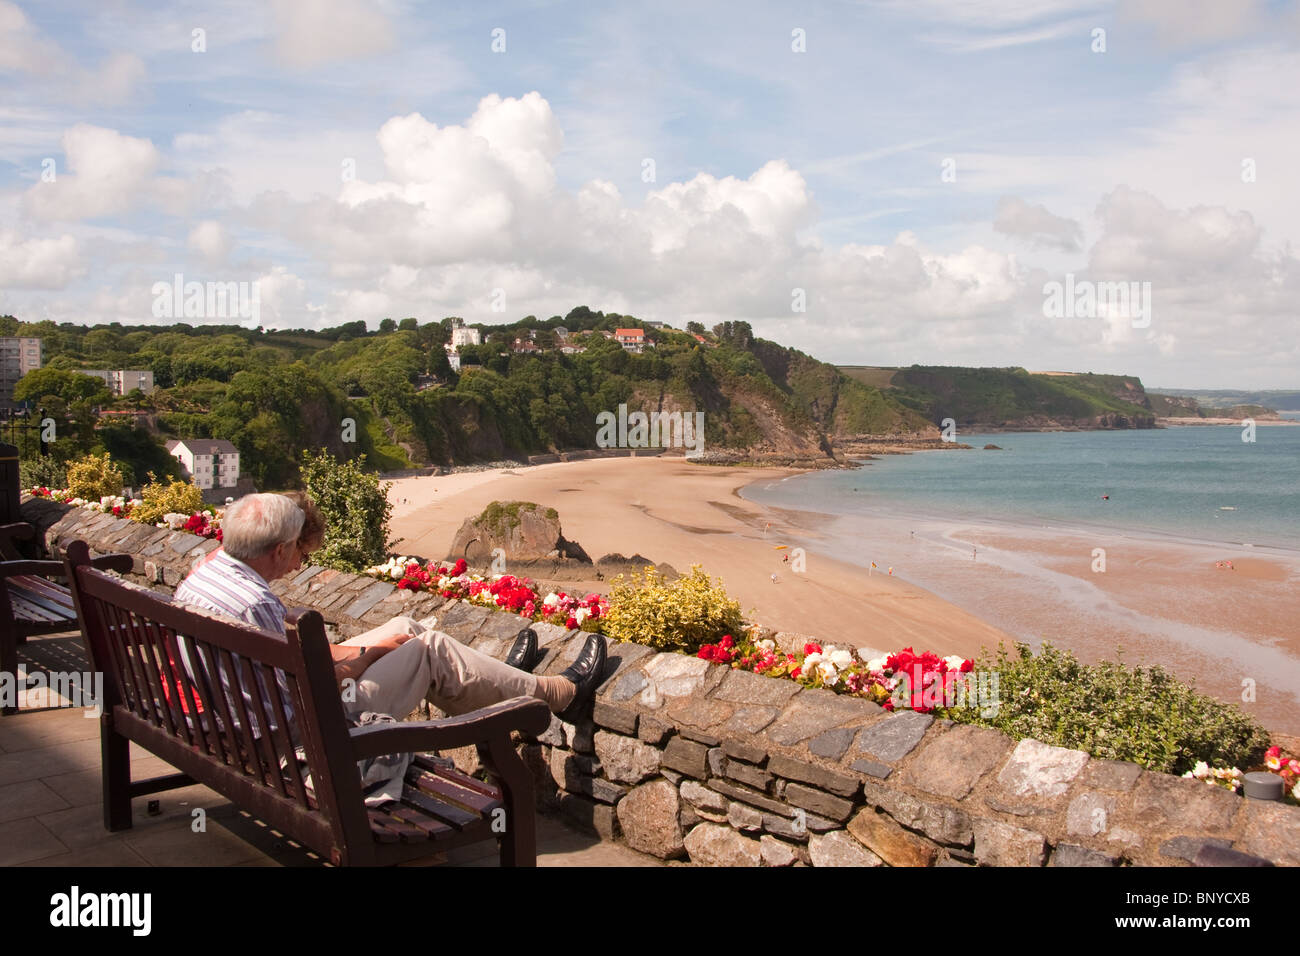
(123, 381)
(632, 340)
(209, 462)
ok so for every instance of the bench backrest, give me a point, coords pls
(235, 739)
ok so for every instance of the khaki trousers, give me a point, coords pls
(434, 666)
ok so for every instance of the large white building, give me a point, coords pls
(465, 336)
(122, 381)
(208, 462)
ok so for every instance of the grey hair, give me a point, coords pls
(255, 524)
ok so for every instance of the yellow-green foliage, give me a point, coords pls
(179, 497)
(683, 615)
(94, 477)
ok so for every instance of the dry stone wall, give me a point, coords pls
(688, 760)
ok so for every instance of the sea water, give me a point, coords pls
(1194, 482)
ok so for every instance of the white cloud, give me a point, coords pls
(1033, 222)
(310, 33)
(38, 263)
(211, 241)
(107, 171)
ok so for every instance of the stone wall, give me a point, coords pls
(689, 760)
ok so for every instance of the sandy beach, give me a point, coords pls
(1163, 602)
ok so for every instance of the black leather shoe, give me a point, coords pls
(524, 653)
(586, 673)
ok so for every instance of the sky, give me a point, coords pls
(940, 182)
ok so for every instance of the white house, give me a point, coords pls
(208, 462)
(633, 340)
(465, 336)
(121, 381)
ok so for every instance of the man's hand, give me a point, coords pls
(352, 662)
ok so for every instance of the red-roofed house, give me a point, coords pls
(633, 340)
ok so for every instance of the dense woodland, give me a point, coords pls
(276, 393)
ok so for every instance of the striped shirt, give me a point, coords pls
(228, 586)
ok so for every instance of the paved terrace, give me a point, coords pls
(50, 813)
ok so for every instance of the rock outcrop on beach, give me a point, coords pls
(519, 532)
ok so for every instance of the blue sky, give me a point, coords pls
(919, 169)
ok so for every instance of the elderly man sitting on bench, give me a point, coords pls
(395, 666)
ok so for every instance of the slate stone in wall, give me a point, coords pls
(702, 798)
(1090, 814)
(820, 803)
(368, 598)
(1186, 848)
(621, 656)
(1110, 775)
(626, 759)
(814, 711)
(674, 675)
(743, 687)
(831, 780)
(892, 739)
(837, 848)
(712, 845)
(745, 748)
(999, 844)
(951, 764)
(626, 686)
(1036, 769)
(832, 744)
(1182, 804)
(1271, 830)
(936, 820)
(749, 720)
(615, 717)
(880, 834)
(752, 797)
(747, 774)
(649, 819)
(687, 756)
(654, 731)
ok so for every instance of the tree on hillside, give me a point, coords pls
(387, 325)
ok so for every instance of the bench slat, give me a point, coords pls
(454, 815)
(445, 790)
(425, 762)
(432, 828)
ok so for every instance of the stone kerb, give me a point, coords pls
(686, 759)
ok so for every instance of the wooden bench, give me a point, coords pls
(238, 742)
(31, 603)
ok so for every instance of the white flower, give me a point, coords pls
(841, 659)
(551, 598)
(828, 672)
(954, 662)
(581, 614)
(876, 664)
(811, 660)
(396, 574)
(766, 646)
(1201, 770)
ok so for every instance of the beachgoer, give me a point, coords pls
(395, 665)
(774, 577)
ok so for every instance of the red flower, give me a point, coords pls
(571, 623)
(796, 672)
(727, 641)
(459, 568)
(812, 649)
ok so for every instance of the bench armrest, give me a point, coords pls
(527, 714)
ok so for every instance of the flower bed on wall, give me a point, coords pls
(205, 524)
(503, 592)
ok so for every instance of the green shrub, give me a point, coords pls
(355, 509)
(41, 471)
(1116, 712)
(683, 615)
(95, 477)
(173, 497)
(500, 517)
